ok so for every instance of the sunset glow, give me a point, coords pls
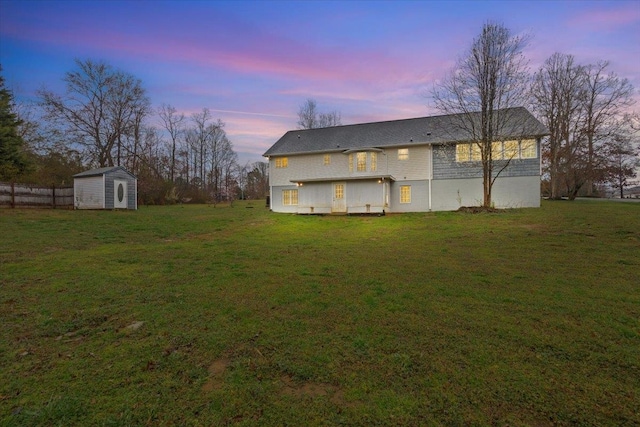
(254, 63)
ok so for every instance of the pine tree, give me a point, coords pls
(12, 159)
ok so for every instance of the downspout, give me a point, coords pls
(430, 175)
(270, 186)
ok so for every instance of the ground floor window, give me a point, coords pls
(405, 194)
(290, 197)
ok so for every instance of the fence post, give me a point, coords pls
(53, 196)
(13, 195)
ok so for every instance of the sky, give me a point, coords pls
(254, 63)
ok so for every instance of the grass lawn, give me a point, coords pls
(195, 315)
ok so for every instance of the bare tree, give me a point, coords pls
(97, 109)
(308, 115)
(173, 123)
(258, 180)
(242, 174)
(127, 106)
(485, 83)
(310, 118)
(220, 153)
(606, 97)
(200, 137)
(622, 153)
(556, 91)
(582, 107)
(326, 120)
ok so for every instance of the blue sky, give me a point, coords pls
(253, 63)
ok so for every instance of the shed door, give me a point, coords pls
(119, 194)
(339, 204)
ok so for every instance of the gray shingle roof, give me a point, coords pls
(404, 133)
(101, 171)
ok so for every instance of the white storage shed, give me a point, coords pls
(105, 188)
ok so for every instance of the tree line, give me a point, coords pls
(104, 118)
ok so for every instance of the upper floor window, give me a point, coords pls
(510, 150)
(326, 160)
(528, 149)
(282, 162)
(496, 150)
(506, 150)
(361, 162)
(476, 153)
(403, 154)
(463, 152)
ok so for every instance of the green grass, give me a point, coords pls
(526, 317)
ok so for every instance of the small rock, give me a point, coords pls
(135, 325)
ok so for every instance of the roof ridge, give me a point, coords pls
(400, 120)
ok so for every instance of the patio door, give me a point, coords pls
(339, 204)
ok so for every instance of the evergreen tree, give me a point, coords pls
(12, 159)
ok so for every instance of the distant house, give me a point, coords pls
(412, 165)
(105, 188)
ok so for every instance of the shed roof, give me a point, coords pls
(101, 171)
(518, 123)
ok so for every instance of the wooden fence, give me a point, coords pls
(33, 196)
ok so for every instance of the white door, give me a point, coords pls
(119, 194)
(339, 197)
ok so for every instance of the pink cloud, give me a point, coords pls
(252, 52)
(608, 19)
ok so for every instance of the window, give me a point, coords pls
(338, 191)
(496, 150)
(361, 162)
(360, 159)
(506, 150)
(282, 162)
(476, 154)
(289, 197)
(510, 150)
(403, 154)
(405, 194)
(327, 159)
(462, 152)
(528, 149)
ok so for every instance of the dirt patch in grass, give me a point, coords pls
(312, 390)
(479, 209)
(216, 372)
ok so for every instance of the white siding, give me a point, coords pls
(308, 166)
(417, 167)
(311, 166)
(419, 197)
(508, 192)
(89, 192)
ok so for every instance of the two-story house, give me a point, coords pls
(412, 165)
